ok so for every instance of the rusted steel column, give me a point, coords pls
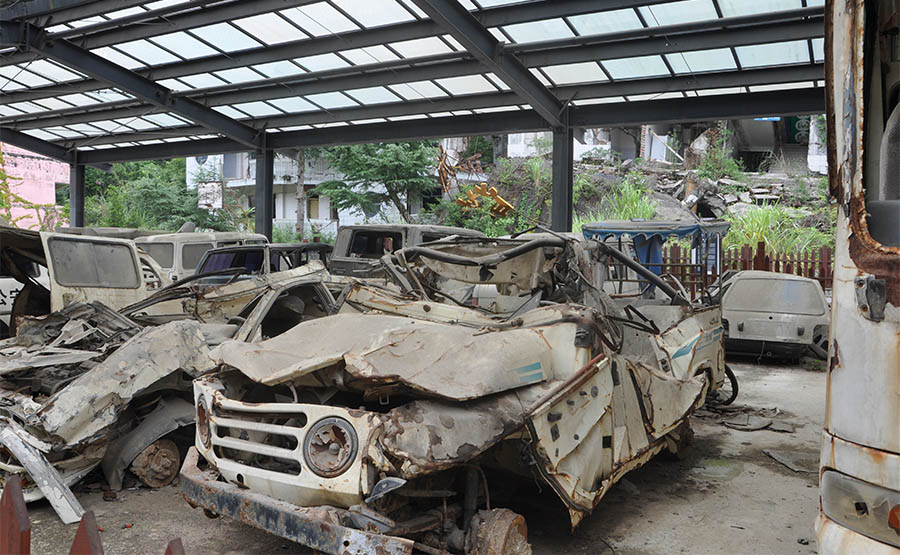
(15, 527)
(561, 209)
(76, 194)
(265, 191)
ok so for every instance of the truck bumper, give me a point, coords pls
(317, 527)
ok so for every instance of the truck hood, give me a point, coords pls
(450, 361)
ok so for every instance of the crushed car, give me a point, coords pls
(770, 314)
(89, 386)
(375, 429)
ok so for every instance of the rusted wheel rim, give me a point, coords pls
(157, 465)
(500, 532)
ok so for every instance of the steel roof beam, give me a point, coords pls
(805, 101)
(473, 102)
(40, 146)
(405, 31)
(223, 11)
(402, 71)
(463, 27)
(61, 11)
(77, 58)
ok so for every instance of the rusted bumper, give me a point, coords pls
(315, 527)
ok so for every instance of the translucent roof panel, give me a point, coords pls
(52, 71)
(421, 47)
(320, 19)
(702, 60)
(575, 73)
(533, 31)
(229, 111)
(52, 103)
(257, 109)
(322, 62)
(278, 69)
(680, 12)
(293, 104)
(369, 55)
(238, 75)
(779, 53)
(418, 90)
(331, 100)
(632, 68)
(203, 80)
(146, 52)
(225, 37)
(164, 119)
(184, 44)
(372, 95)
(373, 13)
(78, 99)
(818, 49)
(270, 28)
(467, 84)
(605, 22)
(117, 57)
(733, 8)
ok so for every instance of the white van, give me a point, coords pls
(179, 253)
(44, 272)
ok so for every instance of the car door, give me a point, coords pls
(88, 268)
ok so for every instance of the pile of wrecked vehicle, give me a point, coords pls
(381, 428)
(377, 421)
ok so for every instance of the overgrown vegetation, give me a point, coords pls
(781, 230)
(628, 199)
(718, 162)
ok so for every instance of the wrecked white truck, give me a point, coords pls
(89, 386)
(375, 430)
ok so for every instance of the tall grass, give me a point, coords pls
(627, 199)
(777, 228)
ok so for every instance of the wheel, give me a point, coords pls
(158, 464)
(498, 532)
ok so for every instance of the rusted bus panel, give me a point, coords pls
(317, 527)
(834, 539)
(859, 461)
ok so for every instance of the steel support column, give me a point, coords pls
(265, 191)
(76, 193)
(561, 209)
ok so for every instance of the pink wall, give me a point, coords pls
(32, 177)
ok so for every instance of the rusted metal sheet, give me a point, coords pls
(317, 527)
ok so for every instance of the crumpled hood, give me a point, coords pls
(445, 360)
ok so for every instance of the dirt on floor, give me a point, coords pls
(728, 494)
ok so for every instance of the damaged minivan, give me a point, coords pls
(376, 429)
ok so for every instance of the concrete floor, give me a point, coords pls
(725, 496)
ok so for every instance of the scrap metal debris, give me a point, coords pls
(794, 460)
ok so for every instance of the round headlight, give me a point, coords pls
(329, 447)
(202, 422)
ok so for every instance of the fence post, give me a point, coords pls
(15, 526)
(87, 538)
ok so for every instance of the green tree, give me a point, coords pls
(402, 169)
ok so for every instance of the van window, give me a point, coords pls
(79, 263)
(371, 244)
(163, 253)
(250, 260)
(429, 237)
(191, 253)
(776, 295)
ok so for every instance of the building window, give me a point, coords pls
(232, 166)
(312, 208)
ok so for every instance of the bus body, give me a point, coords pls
(859, 510)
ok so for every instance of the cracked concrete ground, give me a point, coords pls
(725, 496)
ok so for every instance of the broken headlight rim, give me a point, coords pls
(202, 423)
(330, 446)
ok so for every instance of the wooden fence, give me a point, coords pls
(15, 527)
(817, 265)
